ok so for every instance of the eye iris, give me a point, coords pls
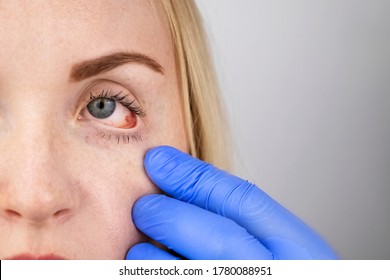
(101, 108)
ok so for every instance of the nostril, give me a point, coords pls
(12, 213)
(61, 213)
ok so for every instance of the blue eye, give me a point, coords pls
(101, 107)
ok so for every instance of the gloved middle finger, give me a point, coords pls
(193, 232)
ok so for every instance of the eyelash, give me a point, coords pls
(108, 93)
(137, 110)
(125, 137)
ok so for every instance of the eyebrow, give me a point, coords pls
(93, 67)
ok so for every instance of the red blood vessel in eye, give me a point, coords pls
(130, 121)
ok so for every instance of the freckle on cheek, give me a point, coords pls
(86, 139)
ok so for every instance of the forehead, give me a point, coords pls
(46, 30)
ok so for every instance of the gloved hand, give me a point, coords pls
(212, 214)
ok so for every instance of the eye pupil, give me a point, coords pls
(101, 107)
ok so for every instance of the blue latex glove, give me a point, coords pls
(212, 214)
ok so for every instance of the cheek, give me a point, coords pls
(116, 179)
(168, 123)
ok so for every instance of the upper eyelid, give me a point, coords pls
(108, 93)
(89, 93)
(105, 93)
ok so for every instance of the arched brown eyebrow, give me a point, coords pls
(93, 67)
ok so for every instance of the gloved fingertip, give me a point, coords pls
(147, 251)
(161, 160)
(160, 155)
(137, 252)
(144, 205)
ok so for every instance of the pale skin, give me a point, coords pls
(68, 180)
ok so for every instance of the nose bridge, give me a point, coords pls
(35, 159)
(36, 184)
(31, 139)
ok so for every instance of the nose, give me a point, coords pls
(38, 205)
(34, 184)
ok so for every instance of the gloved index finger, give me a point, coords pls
(197, 182)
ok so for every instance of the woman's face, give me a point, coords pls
(86, 88)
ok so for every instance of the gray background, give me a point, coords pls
(307, 88)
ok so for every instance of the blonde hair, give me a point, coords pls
(206, 126)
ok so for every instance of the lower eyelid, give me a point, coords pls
(99, 132)
(119, 137)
